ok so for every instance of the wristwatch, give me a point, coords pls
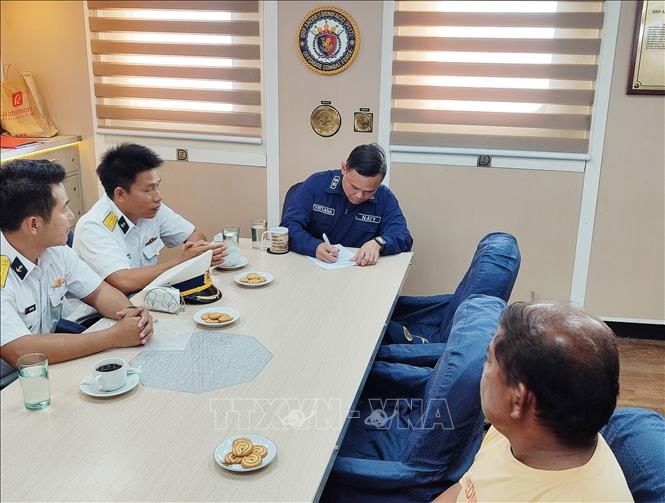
(382, 243)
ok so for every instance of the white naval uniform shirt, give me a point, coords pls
(108, 241)
(31, 294)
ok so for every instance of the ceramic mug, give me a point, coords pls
(278, 239)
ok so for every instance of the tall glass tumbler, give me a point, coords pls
(258, 227)
(33, 375)
(231, 235)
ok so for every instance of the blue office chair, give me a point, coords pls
(418, 429)
(8, 373)
(493, 271)
(637, 439)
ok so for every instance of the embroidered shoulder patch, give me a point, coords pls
(110, 220)
(4, 269)
(334, 182)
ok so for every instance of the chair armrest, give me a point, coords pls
(419, 355)
(378, 474)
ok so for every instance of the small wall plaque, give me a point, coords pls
(363, 122)
(325, 120)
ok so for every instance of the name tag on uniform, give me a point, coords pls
(373, 219)
(30, 309)
(323, 209)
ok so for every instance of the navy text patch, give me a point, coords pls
(323, 209)
(373, 219)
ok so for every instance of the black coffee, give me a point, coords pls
(109, 367)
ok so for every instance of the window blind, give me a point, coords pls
(171, 66)
(496, 75)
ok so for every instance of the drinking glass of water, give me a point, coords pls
(231, 235)
(33, 375)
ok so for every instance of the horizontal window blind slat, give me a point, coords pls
(170, 127)
(512, 70)
(503, 119)
(243, 119)
(235, 51)
(236, 96)
(580, 97)
(575, 20)
(531, 45)
(205, 5)
(534, 144)
(231, 74)
(237, 28)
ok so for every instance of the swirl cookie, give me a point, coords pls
(261, 450)
(251, 460)
(241, 447)
(231, 459)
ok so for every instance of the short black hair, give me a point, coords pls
(121, 164)
(368, 160)
(26, 190)
(568, 359)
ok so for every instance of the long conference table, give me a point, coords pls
(323, 328)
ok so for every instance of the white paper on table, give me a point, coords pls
(343, 259)
(171, 334)
(168, 333)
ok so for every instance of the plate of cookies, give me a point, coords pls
(245, 453)
(253, 279)
(216, 316)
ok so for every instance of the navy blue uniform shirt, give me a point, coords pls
(320, 205)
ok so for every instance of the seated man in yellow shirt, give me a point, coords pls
(550, 383)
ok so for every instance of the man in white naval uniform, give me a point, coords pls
(122, 234)
(37, 270)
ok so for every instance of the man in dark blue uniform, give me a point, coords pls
(351, 207)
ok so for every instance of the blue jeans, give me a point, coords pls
(492, 272)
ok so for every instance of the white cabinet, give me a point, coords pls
(64, 151)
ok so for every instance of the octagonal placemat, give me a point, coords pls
(211, 360)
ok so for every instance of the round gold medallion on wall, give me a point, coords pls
(325, 120)
(328, 40)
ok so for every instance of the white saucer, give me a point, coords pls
(91, 389)
(225, 447)
(243, 262)
(269, 277)
(228, 310)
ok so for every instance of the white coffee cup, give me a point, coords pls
(278, 239)
(109, 374)
(233, 257)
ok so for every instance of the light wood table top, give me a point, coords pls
(322, 328)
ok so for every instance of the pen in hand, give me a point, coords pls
(332, 251)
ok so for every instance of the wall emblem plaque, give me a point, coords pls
(328, 40)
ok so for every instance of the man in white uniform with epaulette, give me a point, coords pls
(37, 270)
(123, 233)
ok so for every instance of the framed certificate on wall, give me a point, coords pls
(647, 62)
